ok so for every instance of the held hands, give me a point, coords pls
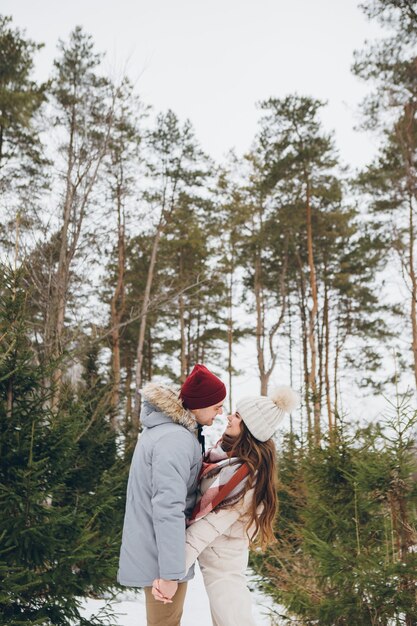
(164, 590)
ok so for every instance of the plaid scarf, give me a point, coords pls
(222, 482)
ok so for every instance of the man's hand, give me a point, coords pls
(164, 590)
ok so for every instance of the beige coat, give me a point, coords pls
(220, 542)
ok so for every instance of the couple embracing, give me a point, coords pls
(185, 504)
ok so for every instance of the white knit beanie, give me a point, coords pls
(263, 414)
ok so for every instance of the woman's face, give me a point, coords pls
(234, 424)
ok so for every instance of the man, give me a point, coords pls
(161, 489)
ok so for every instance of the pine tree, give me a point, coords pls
(230, 217)
(313, 256)
(265, 280)
(60, 500)
(347, 527)
(175, 164)
(22, 161)
(390, 67)
(303, 170)
(121, 166)
(188, 263)
(83, 116)
(20, 99)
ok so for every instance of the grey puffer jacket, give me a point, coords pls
(161, 491)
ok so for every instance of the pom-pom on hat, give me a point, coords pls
(263, 414)
(201, 389)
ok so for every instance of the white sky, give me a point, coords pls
(212, 61)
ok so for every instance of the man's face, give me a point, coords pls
(206, 416)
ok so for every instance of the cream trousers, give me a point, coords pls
(223, 565)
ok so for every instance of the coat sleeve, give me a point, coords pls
(171, 465)
(206, 530)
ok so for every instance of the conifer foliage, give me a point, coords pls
(347, 527)
(60, 494)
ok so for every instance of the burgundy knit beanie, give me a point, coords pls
(201, 389)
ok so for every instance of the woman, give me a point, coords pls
(237, 505)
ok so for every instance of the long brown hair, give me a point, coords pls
(261, 460)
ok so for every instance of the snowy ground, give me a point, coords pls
(130, 607)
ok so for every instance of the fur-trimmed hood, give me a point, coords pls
(166, 400)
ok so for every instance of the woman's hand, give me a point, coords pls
(164, 590)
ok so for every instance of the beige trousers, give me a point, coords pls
(160, 614)
(223, 565)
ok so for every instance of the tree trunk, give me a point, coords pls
(128, 392)
(150, 354)
(291, 362)
(406, 137)
(230, 336)
(10, 383)
(260, 326)
(183, 359)
(183, 337)
(405, 537)
(117, 307)
(336, 373)
(312, 320)
(197, 341)
(304, 341)
(320, 353)
(1, 144)
(326, 331)
(412, 273)
(143, 320)
(265, 370)
(60, 286)
(190, 349)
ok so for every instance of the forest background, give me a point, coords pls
(129, 253)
